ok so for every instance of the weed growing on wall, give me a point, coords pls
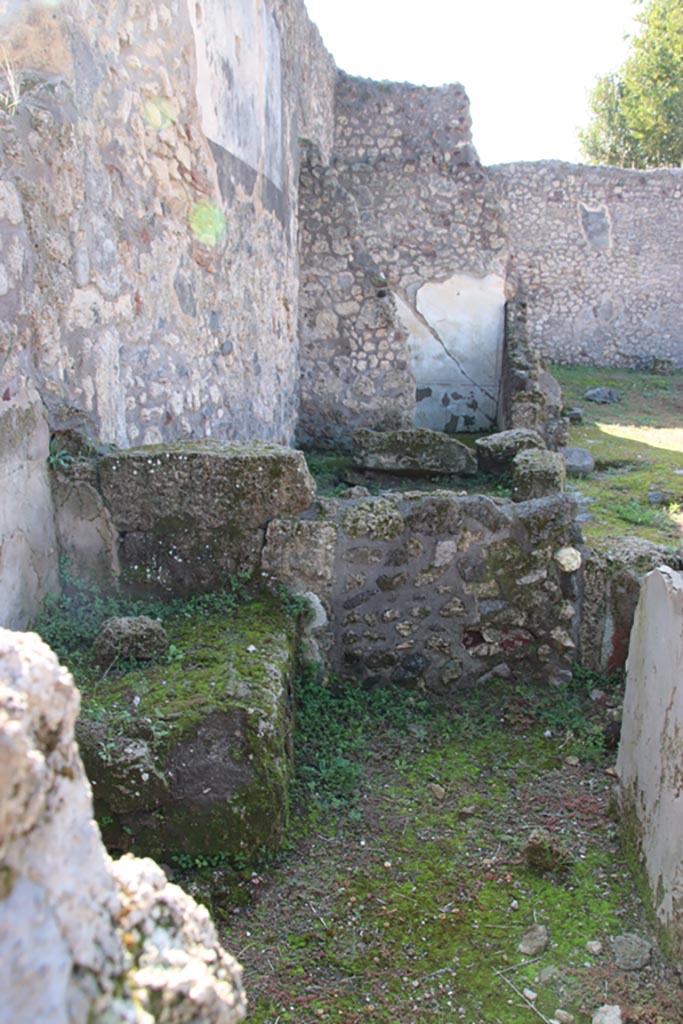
(10, 95)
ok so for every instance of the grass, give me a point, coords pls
(637, 445)
(407, 894)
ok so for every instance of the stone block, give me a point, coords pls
(412, 453)
(130, 638)
(536, 474)
(194, 756)
(579, 461)
(190, 514)
(496, 452)
(651, 749)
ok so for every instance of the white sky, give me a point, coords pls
(527, 65)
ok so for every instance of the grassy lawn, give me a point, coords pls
(637, 445)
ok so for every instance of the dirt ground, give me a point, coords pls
(408, 901)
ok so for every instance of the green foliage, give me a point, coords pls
(334, 722)
(10, 95)
(633, 511)
(329, 471)
(637, 112)
(69, 623)
(58, 457)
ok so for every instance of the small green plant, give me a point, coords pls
(58, 458)
(633, 511)
(174, 654)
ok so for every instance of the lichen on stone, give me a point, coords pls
(379, 519)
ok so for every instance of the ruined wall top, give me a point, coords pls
(399, 121)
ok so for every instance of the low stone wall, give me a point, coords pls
(651, 750)
(611, 589)
(426, 589)
(434, 591)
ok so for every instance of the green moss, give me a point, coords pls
(7, 878)
(233, 666)
(207, 447)
(416, 918)
(379, 519)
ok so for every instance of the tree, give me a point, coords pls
(637, 112)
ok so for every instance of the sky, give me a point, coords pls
(527, 65)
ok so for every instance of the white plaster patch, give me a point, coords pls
(455, 337)
(446, 550)
(239, 81)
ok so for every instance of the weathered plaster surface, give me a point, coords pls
(148, 263)
(404, 206)
(28, 547)
(149, 194)
(457, 351)
(650, 762)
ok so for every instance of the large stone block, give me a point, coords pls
(496, 452)
(194, 756)
(650, 759)
(412, 453)
(537, 474)
(190, 514)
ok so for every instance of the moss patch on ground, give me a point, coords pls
(637, 445)
(409, 895)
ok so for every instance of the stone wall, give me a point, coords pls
(206, 231)
(403, 266)
(651, 750)
(596, 254)
(437, 591)
(148, 233)
(428, 590)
